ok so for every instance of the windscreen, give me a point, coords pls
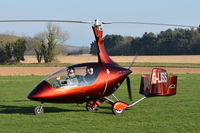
(74, 76)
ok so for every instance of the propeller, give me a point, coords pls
(133, 61)
(129, 87)
(128, 79)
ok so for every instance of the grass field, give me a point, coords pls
(179, 113)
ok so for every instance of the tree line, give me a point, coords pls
(168, 42)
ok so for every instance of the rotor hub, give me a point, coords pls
(98, 24)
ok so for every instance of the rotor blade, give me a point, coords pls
(133, 61)
(161, 24)
(106, 22)
(129, 87)
(61, 21)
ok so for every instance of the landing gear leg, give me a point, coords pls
(39, 109)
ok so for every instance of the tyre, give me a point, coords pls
(39, 110)
(118, 112)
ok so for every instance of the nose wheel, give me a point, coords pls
(39, 110)
(118, 112)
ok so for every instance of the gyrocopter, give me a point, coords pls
(92, 83)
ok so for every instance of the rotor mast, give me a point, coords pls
(103, 56)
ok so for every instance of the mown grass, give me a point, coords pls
(125, 64)
(179, 113)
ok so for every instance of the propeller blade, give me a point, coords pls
(158, 24)
(129, 88)
(133, 61)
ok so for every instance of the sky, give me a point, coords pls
(185, 12)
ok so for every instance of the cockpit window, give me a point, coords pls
(74, 76)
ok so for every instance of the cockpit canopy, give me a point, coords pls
(74, 76)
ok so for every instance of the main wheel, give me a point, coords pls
(39, 110)
(118, 112)
(91, 106)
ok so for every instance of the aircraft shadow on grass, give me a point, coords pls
(10, 109)
(27, 110)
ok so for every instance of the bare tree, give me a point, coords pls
(39, 41)
(46, 42)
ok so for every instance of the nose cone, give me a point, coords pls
(128, 71)
(40, 92)
(125, 72)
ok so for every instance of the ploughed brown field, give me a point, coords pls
(4, 71)
(140, 59)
